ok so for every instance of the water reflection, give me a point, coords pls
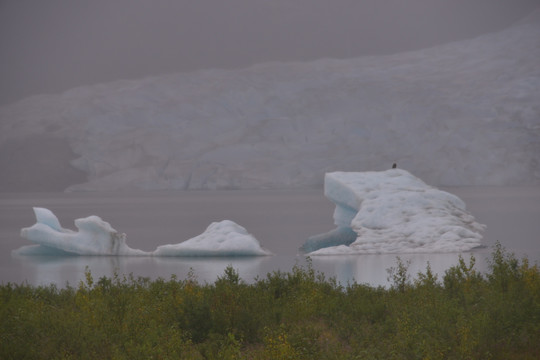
(362, 269)
(372, 269)
(62, 270)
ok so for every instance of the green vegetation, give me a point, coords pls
(296, 315)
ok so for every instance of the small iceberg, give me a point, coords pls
(224, 238)
(393, 211)
(95, 237)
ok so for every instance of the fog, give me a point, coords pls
(460, 113)
(51, 46)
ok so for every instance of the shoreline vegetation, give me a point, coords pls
(300, 314)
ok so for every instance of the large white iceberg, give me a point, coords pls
(393, 212)
(97, 237)
(224, 238)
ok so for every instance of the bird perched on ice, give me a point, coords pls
(394, 165)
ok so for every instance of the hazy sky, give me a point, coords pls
(53, 45)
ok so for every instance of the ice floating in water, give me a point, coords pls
(97, 237)
(225, 238)
(393, 212)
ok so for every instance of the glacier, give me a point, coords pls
(393, 211)
(97, 237)
(458, 114)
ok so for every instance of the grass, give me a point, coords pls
(294, 315)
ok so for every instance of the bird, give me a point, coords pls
(394, 166)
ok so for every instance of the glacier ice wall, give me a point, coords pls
(393, 211)
(464, 113)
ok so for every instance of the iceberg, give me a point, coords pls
(393, 211)
(224, 238)
(95, 237)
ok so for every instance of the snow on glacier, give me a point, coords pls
(97, 237)
(463, 113)
(393, 211)
(224, 238)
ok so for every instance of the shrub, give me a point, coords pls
(295, 315)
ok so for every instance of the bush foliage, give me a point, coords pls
(294, 315)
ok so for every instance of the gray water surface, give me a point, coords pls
(280, 219)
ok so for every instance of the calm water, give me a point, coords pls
(281, 220)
